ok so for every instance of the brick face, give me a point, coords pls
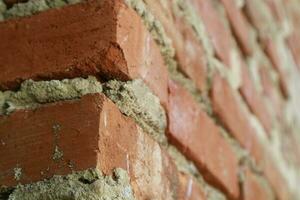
(255, 188)
(189, 51)
(96, 142)
(240, 26)
(190, 189)
(255, 101)
(216, 140)
(222, 42)
(233, 116)
(200, 139)
(90, 42)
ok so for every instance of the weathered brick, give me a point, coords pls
(200, 140)
(240, 26)
(261, 18)
(294, 44)
(275, 58)
(227, 107)
(219, 35)
(103, 38)
(76, 135)
(276, 179)
(190, 189)
(189, 51)
(255, 188)
(254, 100)
(269, 89)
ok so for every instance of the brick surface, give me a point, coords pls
(254, 188)
(254, 100)
(239, 25)
(219, 35)
(276, 179)
(103, 38)
(227, 107)
(189, 52)
(200, 140)
(190, 189)
(294, 44)
(270, 90)
(90, 133)
(275, 58)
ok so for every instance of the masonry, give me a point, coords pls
(144, 99)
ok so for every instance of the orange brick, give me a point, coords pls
(239, 25)
(190, 189)
(227, 107)
(275, 58)
(200, 140)
(103, 38)
(276, 179)
(90, 133)
(254, 188)
(271, 92)
(255, 100)
(189, 51)
(219, 35)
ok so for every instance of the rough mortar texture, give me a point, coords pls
(136, 100)
(34, 93)
(31, 7)
(89, 185)
(154, 26)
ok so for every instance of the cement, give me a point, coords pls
(34, 93)
(88, 185)
(136, 100)
(32, 7)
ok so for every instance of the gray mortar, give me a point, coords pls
(31, 7)
(88, 185)
(154, 27)
(34, 93)
(136, 100)
(2, 9)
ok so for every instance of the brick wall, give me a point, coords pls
(144, 99)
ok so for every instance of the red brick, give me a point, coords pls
(219, 35)
(227, 107)
(293, 40)
(239, 25)
(200, 140)
(277, 9)
(275, 57)
(91, 133)
(189, 52)
(260, 17)
(263, 20)
(103, 38)
(254, 100)
(271, 92)
(276, 179)
(254, 188)
(190, 189)
(294, 45)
